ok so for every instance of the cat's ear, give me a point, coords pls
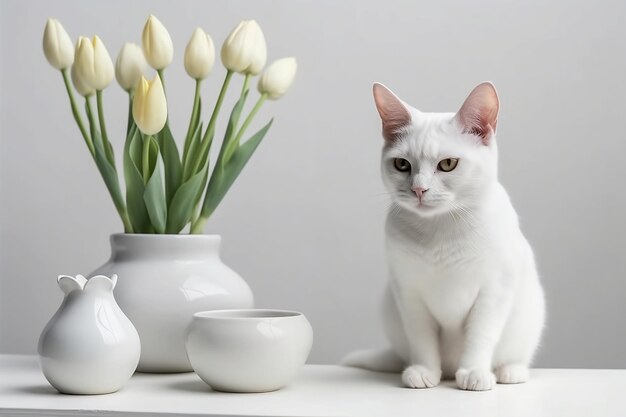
(479, 113)
(393, 112)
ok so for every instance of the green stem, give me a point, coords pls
(131, 120)
(192, 119)
(119, 205)
(76, 113)
(196, 214)
(244, 90)
(128, 226)
(145, 158)
(93, 127)
(218, 105)
(105, 138)
(197, 227)
(246, 82)
(161, 73)
(248, 120)
(205, 144)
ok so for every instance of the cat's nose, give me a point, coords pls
(419, 191)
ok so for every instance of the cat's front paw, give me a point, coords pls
(475, 379)
(418, 376)
(512, 374)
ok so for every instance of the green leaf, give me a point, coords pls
(154, 195)
(185, 200)
(135, 188)
(218, 171)
(195, 121)
(106, 167)
(193, 150)
(109, 175)
(171, 162)
(136, 151)
(223, 179)
(153, 153)
(110, 153)
(93, 125)
(232, 126)
(230, 150)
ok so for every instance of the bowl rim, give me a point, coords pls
(243, 314)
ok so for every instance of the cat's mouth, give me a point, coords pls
(419, 205)
(424, 206)
(430, 206)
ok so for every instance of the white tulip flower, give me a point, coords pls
(81, 86)
(199, 55)
(102, 64)
(93, 63)
(83, 60)
(157, 44)
(244, 50)
(278, 77)
(57, 45)
(130, 66)
(150, 105)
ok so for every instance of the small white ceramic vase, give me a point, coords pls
(89, 346)
(163, 281)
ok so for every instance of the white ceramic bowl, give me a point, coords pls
(248, 350)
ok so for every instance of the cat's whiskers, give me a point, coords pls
(465, 215)
(394, 209)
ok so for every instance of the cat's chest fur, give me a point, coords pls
(444, 271)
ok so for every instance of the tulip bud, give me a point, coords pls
(93, 63)
(57, 45)
(83, 88)
(83, 62)
(150, 106)
(278, 77)
(157, 44)
(244, 50)
(102, 64)
(129, 66)
(199, 55)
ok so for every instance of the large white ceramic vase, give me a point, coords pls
(165, 279)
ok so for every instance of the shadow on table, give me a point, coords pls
(37, 389)
(191, 386)
(199, 386)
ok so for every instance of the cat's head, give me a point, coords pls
(435, 163)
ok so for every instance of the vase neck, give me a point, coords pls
(140, 246)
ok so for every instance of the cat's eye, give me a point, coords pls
(448, 164)
(402, 164)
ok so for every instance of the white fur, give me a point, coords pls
(464, 299)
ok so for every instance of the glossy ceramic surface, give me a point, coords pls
(248, 350)
(163, 281)
(89, 346)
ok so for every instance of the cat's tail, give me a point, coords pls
(380, 360)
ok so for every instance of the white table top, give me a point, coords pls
(320, 390)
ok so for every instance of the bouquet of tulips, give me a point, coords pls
(165, 190)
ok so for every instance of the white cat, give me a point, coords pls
(464, 299)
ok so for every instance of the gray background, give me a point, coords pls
(303, 224)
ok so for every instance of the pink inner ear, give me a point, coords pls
(479, 113)
(393, 112)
